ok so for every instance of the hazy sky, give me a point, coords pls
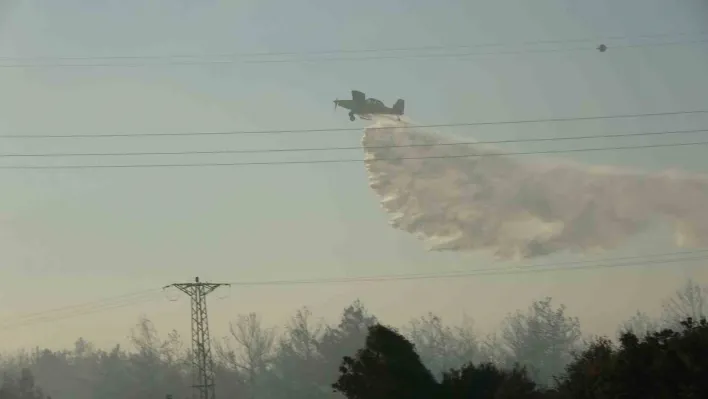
(72, 236)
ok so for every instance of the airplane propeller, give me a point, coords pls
(336, 103)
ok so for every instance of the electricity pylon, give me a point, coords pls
(202, 361)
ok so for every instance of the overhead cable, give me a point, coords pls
(596, 39)
(359, 129)
(313, 149)
(142, 297)
(332, 161)
(431, 56)
(538, 268)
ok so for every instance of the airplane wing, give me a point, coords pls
(358, 96)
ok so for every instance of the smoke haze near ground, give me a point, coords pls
(521, 208)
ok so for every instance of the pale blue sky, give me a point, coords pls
(78, 235)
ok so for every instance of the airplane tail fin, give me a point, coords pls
(399, 106)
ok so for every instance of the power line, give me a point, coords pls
(476, 272)
(56, 314)
(139, 297)
(431, 276)
(357, 51)
(93, 303)
(358, 129)
(52, 318)
(46, 319)
(366, 58)
(331, 161)
(313, 149)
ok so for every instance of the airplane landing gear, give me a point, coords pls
(351, 116)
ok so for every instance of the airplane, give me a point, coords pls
(364, 107)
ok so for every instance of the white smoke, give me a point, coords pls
(522, 209)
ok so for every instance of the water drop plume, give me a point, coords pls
(521, 208)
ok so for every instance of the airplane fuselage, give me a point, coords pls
(360, 105)
(364, 109)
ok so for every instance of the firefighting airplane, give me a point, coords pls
(365, 107)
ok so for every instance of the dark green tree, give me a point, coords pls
(487, 381)
(310, 353)
(387, 367)
(667, 364)
(345, 339)
(590, 375)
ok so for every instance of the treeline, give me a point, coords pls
(666, 364)
(536, 347)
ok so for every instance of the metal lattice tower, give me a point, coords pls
(202, 361)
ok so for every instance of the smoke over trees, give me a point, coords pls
(533, 347)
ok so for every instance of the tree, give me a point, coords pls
(113, 377)
(691, 300)
(587, 376)
(83, 360)
(542, 339)
(640, 324)
(153, 370)
(298, 363)
(442, 347)
(255, 352)
(302, 335)
(20, 388)
(487, 381)
(387, 367)
(344, 340)
(57, 371)
(664, 364)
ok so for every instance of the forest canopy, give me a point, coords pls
(540, 350)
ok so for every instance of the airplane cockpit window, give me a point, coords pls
(374, 101)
